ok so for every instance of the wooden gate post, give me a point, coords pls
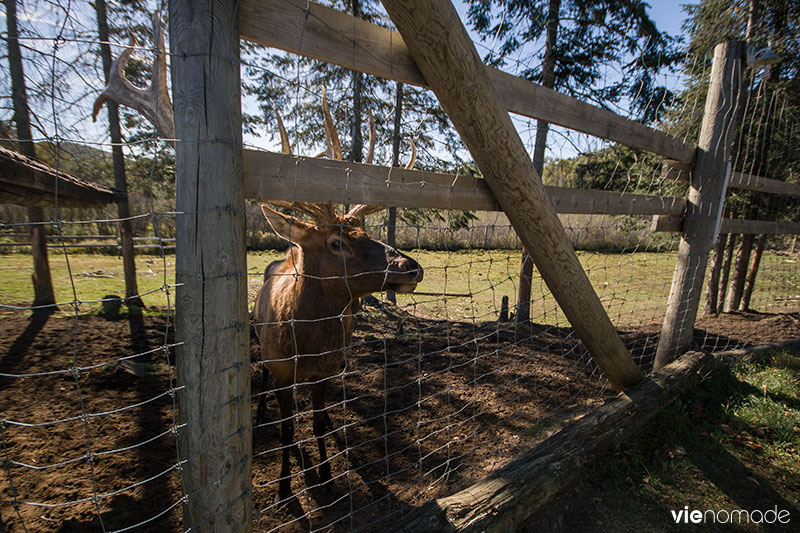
(452, 67)
(211, 319)
(706, 183)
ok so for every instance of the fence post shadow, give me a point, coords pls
(12, 360)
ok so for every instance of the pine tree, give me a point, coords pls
(580, 39)
(761, 147)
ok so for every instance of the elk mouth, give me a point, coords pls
(402, 288)
(404, 282)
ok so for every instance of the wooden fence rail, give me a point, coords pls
(738, 180)
(271, 176)
(323, 33)
(731, 225)
(333, 36)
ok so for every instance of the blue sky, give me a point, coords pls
(668, 14)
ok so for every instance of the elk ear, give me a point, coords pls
(287, 227)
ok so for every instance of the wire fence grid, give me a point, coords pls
(436, 391)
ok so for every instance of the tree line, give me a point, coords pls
(567, 45)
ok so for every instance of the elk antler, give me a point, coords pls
(362, 210)
(323, 212)
(413, 159)
(153, 102)
(332, 138)
(285, 146)
(371, 149)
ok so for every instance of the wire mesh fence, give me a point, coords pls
(425, 392)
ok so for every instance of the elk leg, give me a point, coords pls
(285, 396)
(262, 402)
(321, 420)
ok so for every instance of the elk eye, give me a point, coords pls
(336, 245)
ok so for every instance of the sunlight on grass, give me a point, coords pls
(465, 285)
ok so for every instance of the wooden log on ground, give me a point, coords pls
(507, 498)
(24, 181)
(446, 56)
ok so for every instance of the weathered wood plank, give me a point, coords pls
(445, 54)
(758, 227)
(271, 176)
(751, 182)
(213, 355)
(738, 180)
(511, 496)
(706, 187)
(731, 225)
(666, 223)
(24, 181)
(330, 35)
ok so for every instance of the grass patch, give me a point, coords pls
(731, 444)
(466, 285)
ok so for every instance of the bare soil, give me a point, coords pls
(423, 408)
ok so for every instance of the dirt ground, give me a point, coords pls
(423, 408)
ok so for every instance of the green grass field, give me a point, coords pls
(463, 285)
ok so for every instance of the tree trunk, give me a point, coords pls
(751, 275)
(118, 161)
(725, 275)
(739, 272)
(357, 148)
(43, 294)
(391, 228)
(542, 128)
(712, 289)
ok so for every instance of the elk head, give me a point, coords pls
(335, 247)
(340, 249)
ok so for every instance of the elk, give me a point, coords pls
(304, 313)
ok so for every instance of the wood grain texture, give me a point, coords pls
(24, 181)
(758, 227)
(211, 319)
(511, 496)
(732, 225)
(270, 176)
(445, 54)
(738, 180)
(751, 182)
(329, 35)
(666, 223)
(707, 177)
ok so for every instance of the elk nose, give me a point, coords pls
(407, 264)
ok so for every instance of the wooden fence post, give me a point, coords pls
(211, 319)
(706, 183)
(447, 58)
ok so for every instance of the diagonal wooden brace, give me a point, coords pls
(447, 58)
